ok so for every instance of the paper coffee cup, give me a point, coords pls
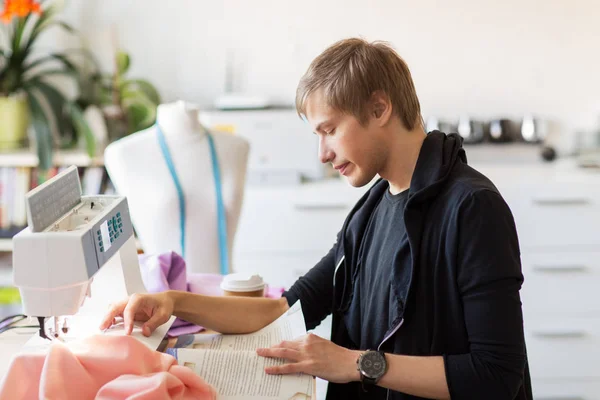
(243, 285)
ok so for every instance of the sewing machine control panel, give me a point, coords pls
(112, 231)
(109, 231)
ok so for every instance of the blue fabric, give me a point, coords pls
(221, 218)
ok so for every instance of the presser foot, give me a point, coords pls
(55, 329)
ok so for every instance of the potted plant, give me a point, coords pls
(127, 104)
(26, 95)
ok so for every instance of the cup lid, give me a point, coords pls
(242, 282)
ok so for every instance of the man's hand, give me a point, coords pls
(153, 309)
(315, 356)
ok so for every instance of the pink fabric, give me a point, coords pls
(102, 367)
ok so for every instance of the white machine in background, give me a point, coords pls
(283, 149)
(70, 237)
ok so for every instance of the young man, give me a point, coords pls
(423, 281)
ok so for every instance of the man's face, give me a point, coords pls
(355, 151)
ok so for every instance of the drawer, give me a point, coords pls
(563, 347)
(561, 283)
(275, 221)
(566, 389)
(552, 215)
(280, 270)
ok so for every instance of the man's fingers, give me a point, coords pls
(156, 320)
(133, 306)
(288, 344)
(286, 369)
(287, 354)
(114, 311)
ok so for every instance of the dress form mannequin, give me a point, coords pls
(138, 170)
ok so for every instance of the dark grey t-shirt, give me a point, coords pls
(384, 238)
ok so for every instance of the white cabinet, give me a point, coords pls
(284, 231)
(557, 212)
(554, 215)
(563, 347)
(560, 389)
(561, 283)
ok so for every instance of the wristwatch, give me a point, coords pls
(372, 366)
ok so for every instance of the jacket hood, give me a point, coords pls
(439, 153)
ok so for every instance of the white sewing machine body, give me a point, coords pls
(53, 268)
(69, 238)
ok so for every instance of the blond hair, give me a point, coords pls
(351, 70)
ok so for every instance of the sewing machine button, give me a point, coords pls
(118, 214)
(101, 249)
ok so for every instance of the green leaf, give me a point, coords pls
(141, 112)
(122, 61)
(45, 20)
(42, 132)
(47, 24)
(144, 86)
(56, 101)
(61, 58)
(18, 33)
(51, 72)
(3, 60)
(66, 27)
(82, 128)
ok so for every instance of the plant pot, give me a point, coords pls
(14, 121)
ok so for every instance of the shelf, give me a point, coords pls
(27, 158)
(6, 245)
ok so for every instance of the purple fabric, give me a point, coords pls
(167, 271)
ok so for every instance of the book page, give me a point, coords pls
(287, 327)
(241, 374)
(230, 364)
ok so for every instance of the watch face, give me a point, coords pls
(372, 364)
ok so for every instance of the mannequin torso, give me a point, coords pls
(139, 171)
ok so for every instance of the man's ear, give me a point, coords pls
(381, 108)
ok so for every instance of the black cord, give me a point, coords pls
(20, 316)
(9, 327)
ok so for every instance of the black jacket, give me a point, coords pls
(457, 289)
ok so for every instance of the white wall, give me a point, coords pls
(486, 58)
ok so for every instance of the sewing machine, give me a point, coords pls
(69, 238)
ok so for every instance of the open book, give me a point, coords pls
(230, 364)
